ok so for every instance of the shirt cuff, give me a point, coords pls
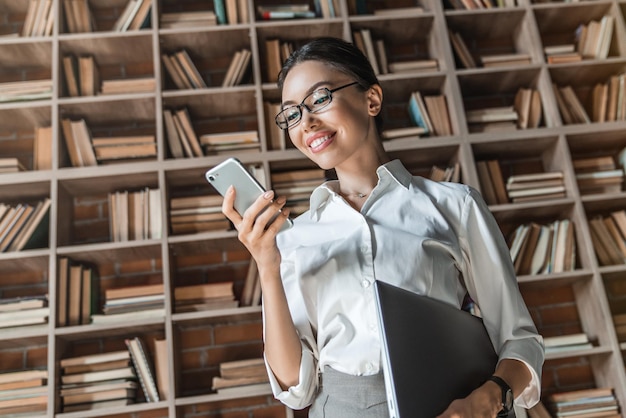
(301, 395)
(530, 352)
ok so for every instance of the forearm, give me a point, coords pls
(515, 373)
(283, 350)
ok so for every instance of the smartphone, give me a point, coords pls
(248, 189)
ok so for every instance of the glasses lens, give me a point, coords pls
(288, 117)
(318, 100)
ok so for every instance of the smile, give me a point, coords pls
(319, 141)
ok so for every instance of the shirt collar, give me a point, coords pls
(392, 170)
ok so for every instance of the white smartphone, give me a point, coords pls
(248, 189)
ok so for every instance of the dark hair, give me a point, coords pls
(339, 54)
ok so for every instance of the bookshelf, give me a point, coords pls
(584, 299)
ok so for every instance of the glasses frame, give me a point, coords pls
(302, 105)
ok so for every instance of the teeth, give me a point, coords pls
(319, 141)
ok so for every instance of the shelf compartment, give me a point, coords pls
(499, 31)
(297, 33)
(422, 161)
(235, 111)
(18, 133)
(558, 23)
(204, 345)
(80, 196)
(498, 89)
(405, 39)
(115, 58)
(607, 145)
(110, 118)
(104, 14)
(26, 62)
(211, 51)
(397, 92)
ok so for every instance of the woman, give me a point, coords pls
(376, 221)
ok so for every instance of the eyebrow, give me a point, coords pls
(309, 91)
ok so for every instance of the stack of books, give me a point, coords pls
(78, 16)
(204, 297)
(135, 215)
(128, 85)
(232, 12)
(24, 226)
(78, 142)
(543, 248)
(572, 342)
(14, 91)
(77, 293)
(535, 186)
(181, 136)
(181, 69)
(505, 60)
(376, 53)
(276, 52)
(135, 15)
(193, 214)
(598, 175)
(239, 375)
(562, 53)
(492, 186)
(97, 381)
(124, 148)
(481, 4)
(226, 142)
(597, 402)
(189, 19)
(131, 302)
(492, 118)
(527, 104)
(450, 173)
(608, 234)
(39, 19)
(238, 68)
(411, 66)
(11, 165)
(23, 311)
(429, 116)
(23, 393)
(297, 186)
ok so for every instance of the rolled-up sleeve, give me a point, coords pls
(490, 278)
(301, 395)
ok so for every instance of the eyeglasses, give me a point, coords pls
(314, 102)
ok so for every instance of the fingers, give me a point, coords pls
(263, 213)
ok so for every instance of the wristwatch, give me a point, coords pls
(507, 396)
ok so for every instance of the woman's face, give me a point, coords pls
(341, 130)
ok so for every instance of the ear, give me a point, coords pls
(374, 99)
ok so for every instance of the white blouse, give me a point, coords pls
(417, 234)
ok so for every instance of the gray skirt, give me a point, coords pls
(346, 396)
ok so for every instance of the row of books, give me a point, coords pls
(23, 311)
(451, 173)
(11, 165)
(39, 19)
(199, 213)
(238, 69)
(136, 15)
(480, 4)
(608, 101)
(23, 393)
(135, 215)
(297, 186)
(429, 112)
(276, 52)
(82, 77)
(24, 225)
(181, 69)
(608, 235)
(596, 402)
(241, 374)
(77, 293)
(42, 153)
(543, 248)
(187, 19)
(78, 16)
(290, 11)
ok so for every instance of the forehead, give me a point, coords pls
(306, 74)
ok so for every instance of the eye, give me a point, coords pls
(320, 97)
(291, 114)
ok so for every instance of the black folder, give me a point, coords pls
(433, 352)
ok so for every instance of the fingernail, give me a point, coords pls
(230, 189)
(268, 194)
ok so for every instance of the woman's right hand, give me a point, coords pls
(254, 229)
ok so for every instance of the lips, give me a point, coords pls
(319, 142)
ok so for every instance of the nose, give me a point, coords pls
(309, 120)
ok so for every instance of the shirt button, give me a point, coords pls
(369, 367)
(364, 248)
(365, 283)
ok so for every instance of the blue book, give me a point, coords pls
(220, 11)
(416, 113)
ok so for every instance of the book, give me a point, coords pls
(143, 366)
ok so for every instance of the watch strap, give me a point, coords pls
(505, 389)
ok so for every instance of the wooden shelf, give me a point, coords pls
(584, 299)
